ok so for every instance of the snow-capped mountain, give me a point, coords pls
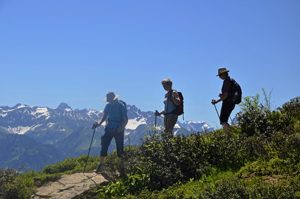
(69, 130)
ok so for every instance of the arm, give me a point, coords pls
(225, 92)
(223, 96)
(160, 113)
(104, 117)
(96, 124)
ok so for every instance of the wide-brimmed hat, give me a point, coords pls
(221, 71)
(111, 95)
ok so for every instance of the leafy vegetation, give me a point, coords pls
(259, 159)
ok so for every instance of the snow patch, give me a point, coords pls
(41, 112)
(134, 123)
(21, 106)
(177, 126)
(50, 124)
(92, 113)
(3, 114)
(36, 126)
(21, 130)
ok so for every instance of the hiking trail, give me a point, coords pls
(69, 186)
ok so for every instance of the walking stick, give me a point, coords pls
(89, 150)
(217, 111)
(155, 121)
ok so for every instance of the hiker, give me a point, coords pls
(227, 97)
(115, 115)
(170, 102)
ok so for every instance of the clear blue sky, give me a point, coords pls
(75, 51)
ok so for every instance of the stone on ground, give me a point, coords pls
(69, 186)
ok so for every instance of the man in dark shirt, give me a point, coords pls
(115, 115)
(227, 97)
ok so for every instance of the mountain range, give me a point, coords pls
(32, 137)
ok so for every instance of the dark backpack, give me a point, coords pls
(237, 90)
(123, 111)
(179, 108)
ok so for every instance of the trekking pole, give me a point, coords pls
(87, 158)
(217, 111)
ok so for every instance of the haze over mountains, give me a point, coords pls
(32, 137)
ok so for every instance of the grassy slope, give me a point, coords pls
(261, 161)
(273, 177)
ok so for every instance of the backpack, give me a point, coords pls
(123, 111)
(237, 90)
(179, 108)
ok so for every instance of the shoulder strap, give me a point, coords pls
(171, 97)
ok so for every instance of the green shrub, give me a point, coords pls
(224, 150)
(258, 119)
(237, 188)
(292, 108)
(133, 184)
(275, 166)
(228, 188)
(7, 176)
(286, 146)
(21, 187)
(169, 161)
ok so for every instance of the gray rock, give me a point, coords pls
(69, 186)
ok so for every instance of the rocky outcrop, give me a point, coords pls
(69, 186)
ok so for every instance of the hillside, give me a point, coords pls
(258, 159)
(33, 137)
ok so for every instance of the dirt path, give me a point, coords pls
(69, 186)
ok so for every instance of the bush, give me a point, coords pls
(258, 119)
(275, 166)
(6, 177)
(292, 108)
(224, 150)
(172, 160)
(237, 188)
(22, 186)
(228, 188)
(286, 146)
(133, 184)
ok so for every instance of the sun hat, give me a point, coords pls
(221, 71)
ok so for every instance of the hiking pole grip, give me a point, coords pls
(87, 158)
